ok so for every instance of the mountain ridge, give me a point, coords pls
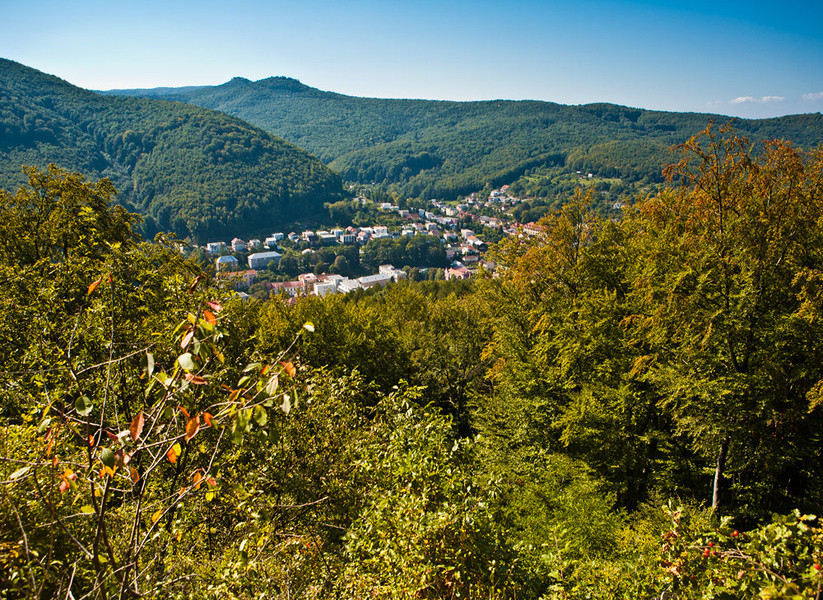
(187, 169)
(445, 148)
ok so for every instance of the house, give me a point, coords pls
(254, 244)
(369, 281)
(226, 263)
(292, 288)
(458, 273)
(308, 280)
(215, 247)
(533, 229)
(241, 280)
(271, 242)
(260, 260)
(326, 238)
(308, 236)
(323, 288)
(391, 272)
(348, 285)
(238, 245)
(346, 238)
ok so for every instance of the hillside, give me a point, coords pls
(435, 148)
(191, 170)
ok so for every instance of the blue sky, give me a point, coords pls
(747, 59)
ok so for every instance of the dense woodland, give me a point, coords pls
(627, 409)
(436, 149)
(187, 170)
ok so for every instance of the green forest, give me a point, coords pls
(438, 149)
(627, 408)
(187, 170)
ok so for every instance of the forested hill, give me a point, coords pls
(435, 148)
(185, 168)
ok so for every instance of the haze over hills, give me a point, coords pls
(442, 149)
(185, 168)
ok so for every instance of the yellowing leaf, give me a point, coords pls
(173, 453)
(136, 427)
(209, 496)
(210, 318)
(135, 476)
(94, 285)
(156, 516)
(196, 479)
(192, 426)
(87, 509)
(288, 367)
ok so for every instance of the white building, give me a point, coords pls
(260, 260)
(226, 263)
(372, 280)
(238, 245)
(215, 247)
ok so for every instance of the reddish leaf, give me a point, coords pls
(185, 412)
(289, 368)
(211, 482)
(64, 486)
(136, 427)
(196, 479)
(192, 426)
(109, 278)
(210, 318)
(94, 285)
(215, 306)
(195, 379)
(121, 458)
(207, 419)
(111, 436)
(135, 476)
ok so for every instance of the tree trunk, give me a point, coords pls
(718, 472)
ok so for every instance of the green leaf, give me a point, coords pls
(107, 458)
(187, 362)
(87, 509)
(261, 416)
(83, 406)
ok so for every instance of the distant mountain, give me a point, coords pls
(194, 171)
(442, 149)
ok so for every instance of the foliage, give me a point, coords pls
(187, 170)
(433, 149)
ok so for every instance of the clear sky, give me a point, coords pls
(750, 59)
